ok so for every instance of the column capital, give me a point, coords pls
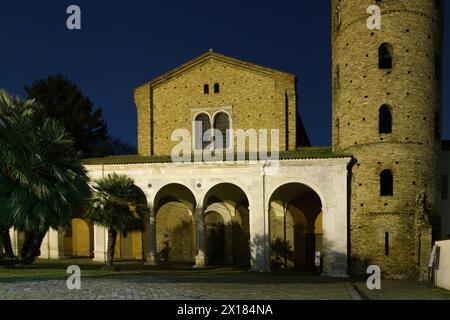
(199, 211)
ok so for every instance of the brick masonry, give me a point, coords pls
(413, 91)
(255, 96)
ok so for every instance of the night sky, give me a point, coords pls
(123, 44)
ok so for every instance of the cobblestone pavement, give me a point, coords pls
(139, 287)
(212, 286)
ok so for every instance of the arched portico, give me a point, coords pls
(227, 224)
(294, 211)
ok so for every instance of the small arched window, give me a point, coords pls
(385, 120)
(202, 131)
(386, 183)
(206, 89)
(385, 56)
(222, 130)
(216, 88)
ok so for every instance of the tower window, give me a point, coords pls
(385, 56)
(444, 187)
(222, 130)
(385, 120)
(206, 89)
(216, 88)
(386, 244)
(386, 183)
(202, 131)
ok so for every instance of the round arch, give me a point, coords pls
(233, 184)
(159, 194)
(293, 211)
(307, 184)
(228, 229)
(174, 206)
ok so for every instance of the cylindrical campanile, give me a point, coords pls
(387, 106)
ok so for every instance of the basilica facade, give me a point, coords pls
(377, 196)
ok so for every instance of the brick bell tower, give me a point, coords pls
(387, 106)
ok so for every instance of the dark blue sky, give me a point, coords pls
(126, 43)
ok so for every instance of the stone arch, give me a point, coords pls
(232, 204)
(174, 205)
(294, 209)
(309, 184)
(79, 238)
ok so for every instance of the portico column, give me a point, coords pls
(100, 243)
(152, 250)
(201, 259)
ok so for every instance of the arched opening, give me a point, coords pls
(386, 183)
(227, 225)
(129, 247)
(295, 214)
(175, 233)
(215, 237)
(206, 89)
(216, 88)
(222, 131)
(385, 120)
(202, 131)
(79, 238)
(385, 56)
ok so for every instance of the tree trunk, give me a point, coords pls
(26, 245)
(6, 240)
(112, 236)
(34, 248)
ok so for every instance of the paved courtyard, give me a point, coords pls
(210, 284)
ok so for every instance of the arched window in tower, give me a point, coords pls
(386, 183)
(385, 120)
(216, 88)
(206, 89)
(202, 134)
(385, 56)
(222, 125)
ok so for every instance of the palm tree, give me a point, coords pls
(42, 179)
(118, 205)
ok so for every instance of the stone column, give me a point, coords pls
(151, 254)
(17, 239)
(52, 246)
(56, 243)
(201, 259)
(100, 243)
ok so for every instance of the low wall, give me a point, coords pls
(442, 271)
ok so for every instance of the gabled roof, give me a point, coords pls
(211, 55)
